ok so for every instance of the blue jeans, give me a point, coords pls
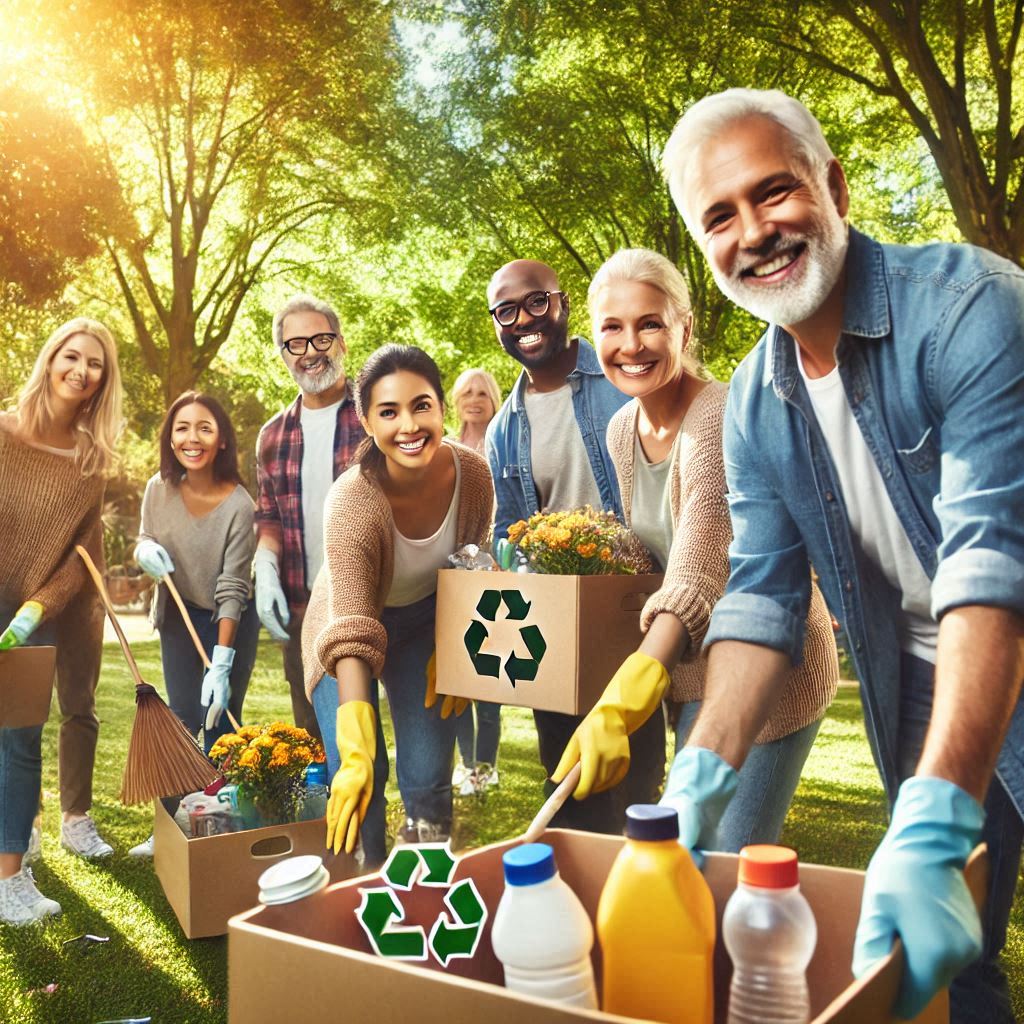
(183, 669)
(979, 994)
(424, 742)
(768, 780)
(21, 761)
(479, 743)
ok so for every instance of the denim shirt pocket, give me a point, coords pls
(922, 456)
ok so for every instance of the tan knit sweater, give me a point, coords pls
(698, 563)
(46, 508)
(343, 617)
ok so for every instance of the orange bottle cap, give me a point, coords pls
(768, 867)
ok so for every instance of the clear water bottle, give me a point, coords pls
(314, 803)
(770, 933)
(541, 933)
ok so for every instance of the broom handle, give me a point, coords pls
(102, 588)
(195, 637)
(552, 805)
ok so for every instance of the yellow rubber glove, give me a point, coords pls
(352, 785)
(601, 741)
(450, 703)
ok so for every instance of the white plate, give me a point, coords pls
(290, 871)
(318, 882)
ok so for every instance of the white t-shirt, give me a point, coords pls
(417, 561)
(561, 469)
(650, 513)
(871, 513)
(318, 427)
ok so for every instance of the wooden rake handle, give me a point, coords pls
(552, 805)
(97, 578)
(173, 590)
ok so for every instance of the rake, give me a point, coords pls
(163, 759)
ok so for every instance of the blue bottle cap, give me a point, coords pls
(651, 822)
(316, 774)
(529, 864)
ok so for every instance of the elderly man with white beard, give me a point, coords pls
(299, 454)
(875, 430)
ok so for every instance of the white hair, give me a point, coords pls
(304, 304)
(708, 116)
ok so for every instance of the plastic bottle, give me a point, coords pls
(656, 924)
(541, 932)
(314, 803)
(769, 931)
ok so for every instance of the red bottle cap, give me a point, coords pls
(768, 867)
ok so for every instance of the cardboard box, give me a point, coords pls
(26, 685)
(207, 880)
(536, 641)
(316, 947)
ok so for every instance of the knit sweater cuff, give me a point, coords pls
(354, 636)
(686, 603)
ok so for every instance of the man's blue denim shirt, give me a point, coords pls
(594, 401)
(932, 361)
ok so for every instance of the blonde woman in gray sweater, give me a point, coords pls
(666, 446)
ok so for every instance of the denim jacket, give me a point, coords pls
(932, 361)
(594, 401)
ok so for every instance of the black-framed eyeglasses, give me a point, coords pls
(536, 304)
(320, 342)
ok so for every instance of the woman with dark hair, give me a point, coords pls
(390, 522)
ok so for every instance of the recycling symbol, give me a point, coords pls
(450, 937)
(516, 608)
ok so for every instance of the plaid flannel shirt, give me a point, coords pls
(279, 479)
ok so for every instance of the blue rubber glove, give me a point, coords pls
(153, 559)
(22, 626)
(699, 788)
(271, 604)
(217, 685)
(915, 888)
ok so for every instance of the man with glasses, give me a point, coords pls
(299, 454)
(546, 448)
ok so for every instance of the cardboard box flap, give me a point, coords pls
(26, 685)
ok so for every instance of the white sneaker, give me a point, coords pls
(144, 849)
(35, 847)
(21, 902)
(486, 777)
(79, 835)
(468, 787)
(460, 777)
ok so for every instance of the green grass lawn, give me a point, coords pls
(149, 968)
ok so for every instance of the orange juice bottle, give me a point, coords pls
(656, 924)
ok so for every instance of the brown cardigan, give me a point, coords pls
(698, 562)
(343, 617)
(46, 508)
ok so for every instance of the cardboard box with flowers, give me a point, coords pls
(551, 634)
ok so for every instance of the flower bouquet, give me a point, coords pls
(268, 763)
(582, 542)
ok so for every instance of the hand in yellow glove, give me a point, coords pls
(601, 741)
(450, 703)
(352, 785)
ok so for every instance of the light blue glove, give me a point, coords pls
(153, 559)
(699, 788)
(271, 604)
(22, 626)
(216, 684)
(915, 888)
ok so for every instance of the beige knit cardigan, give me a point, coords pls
(345, 605)
(46, 507)
(698, 562)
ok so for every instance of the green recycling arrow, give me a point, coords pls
(517, 608)
(454, 936)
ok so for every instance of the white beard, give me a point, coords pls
(314, 385)
(796, 299)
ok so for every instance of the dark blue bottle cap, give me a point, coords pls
(651, 822)
(529, 864)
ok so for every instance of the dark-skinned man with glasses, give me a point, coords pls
(546, 448)
(299, 454)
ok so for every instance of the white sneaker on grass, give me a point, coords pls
(144, 849)
(79, 835)
(460, 776)
(21, 902)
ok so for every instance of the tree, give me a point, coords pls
(226, 134)
(950, 66)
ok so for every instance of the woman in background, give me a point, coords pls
(56, 449)
(475, 398)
